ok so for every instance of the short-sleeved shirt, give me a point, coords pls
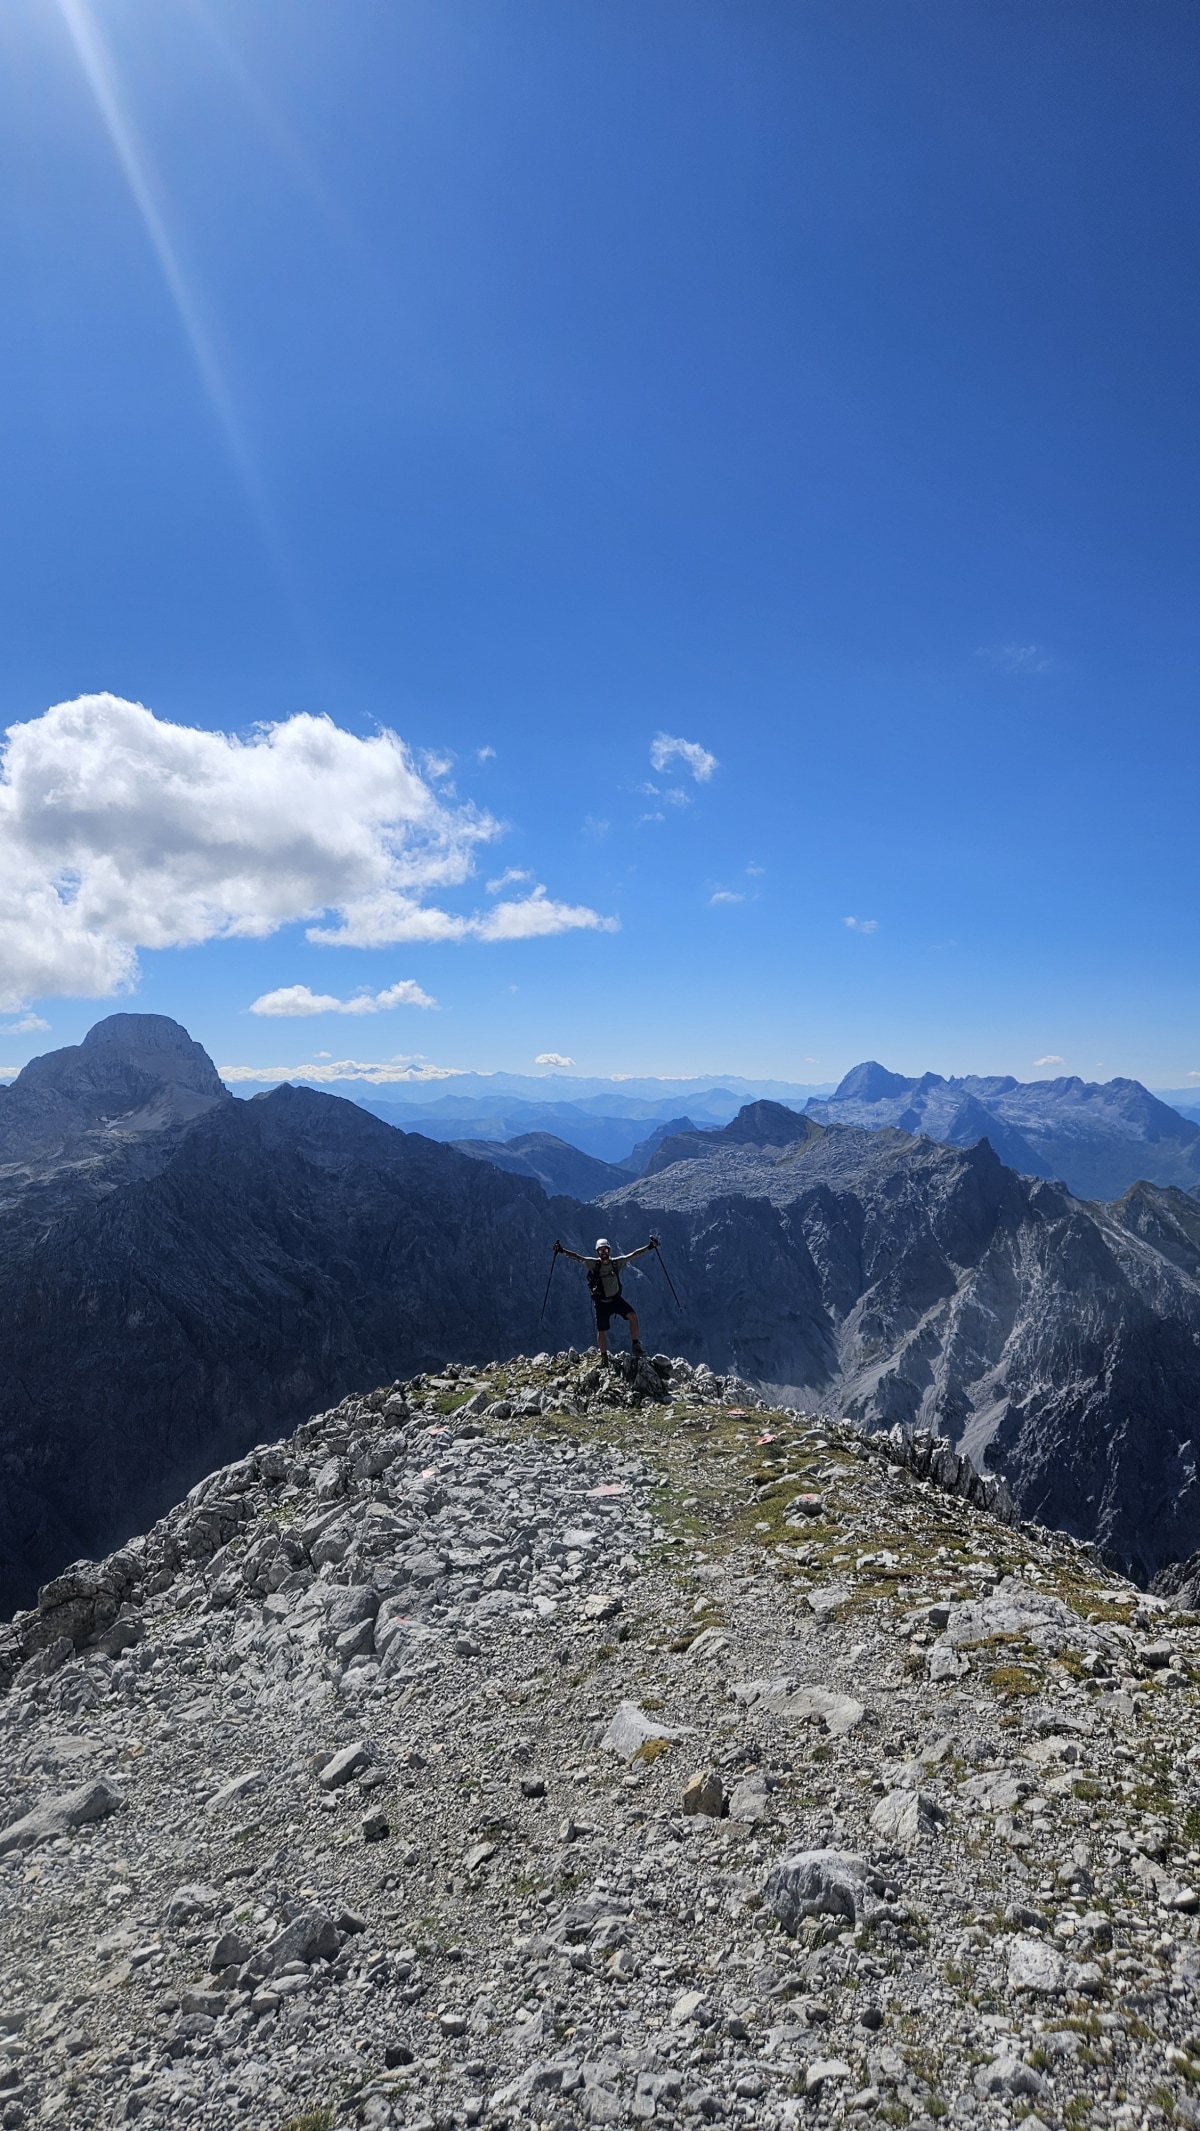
(604, 1275)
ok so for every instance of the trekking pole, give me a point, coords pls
(666, 1274)
(553, 1263)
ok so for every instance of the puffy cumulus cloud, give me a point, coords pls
(1051, 1058)
(120, 831)
(553, 1058)
(664, 749)
(535, 917)
(293, 1001)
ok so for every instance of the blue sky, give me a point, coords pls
(814, 385)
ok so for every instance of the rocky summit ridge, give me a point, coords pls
(540, 1744)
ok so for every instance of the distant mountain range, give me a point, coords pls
(182, 1274)
(1098, 1137)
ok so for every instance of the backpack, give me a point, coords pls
(595, 1281)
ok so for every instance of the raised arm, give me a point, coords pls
(640, 1252)
(561, 1251)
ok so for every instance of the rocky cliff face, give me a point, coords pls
(1098, 1138)
(894, 1280)
(77, 1122)
(262, 1258)
(560, 1169)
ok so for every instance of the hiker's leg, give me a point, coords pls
(634, 1333)
(602, 1342)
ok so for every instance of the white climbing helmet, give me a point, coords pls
(602, 1243)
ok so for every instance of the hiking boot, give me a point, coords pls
(638, 1348)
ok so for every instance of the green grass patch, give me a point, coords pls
(1012, 1680)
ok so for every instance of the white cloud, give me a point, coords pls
(295, 1000)
(862, 924)
(535, 917)
(504, 880)
(1051, 1058)
(26, 1026)
(675, 796)
(392, 1069)
(664, 749)
(1193, 1073)
(435, 764)
(726, 895)
(553, 1058)
(120, 831)
(485, 754)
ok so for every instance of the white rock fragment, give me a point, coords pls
(631, 1727)
(906, 1815)
(785, 1697)
(1034, 1966)
(825, 2071)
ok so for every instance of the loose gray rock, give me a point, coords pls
(343, 1765)
(820, 1883)
(61, 1816)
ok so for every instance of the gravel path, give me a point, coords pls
(542, 1745)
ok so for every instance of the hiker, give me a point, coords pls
(604, 1282)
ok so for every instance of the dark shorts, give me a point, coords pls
(606, 1311)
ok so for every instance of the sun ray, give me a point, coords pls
(136, 166)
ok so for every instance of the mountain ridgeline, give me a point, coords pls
(183, 1274)
(1098, 1137)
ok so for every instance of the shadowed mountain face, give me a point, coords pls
(892, 1279)
(264, 1259)
(103, 1110)
(1099, 1138)
(558, 1168)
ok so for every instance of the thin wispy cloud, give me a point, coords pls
(1051, 1058)
(323, 1068)
(294, 1001)
(1018, 658)
(485, 754)
(436, 765)
(28, 1025)
(665, 749)
(861, 924)
(120, 831)
(507, 878)
(726, 895)
(553, 1058)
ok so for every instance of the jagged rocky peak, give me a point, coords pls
(871, 1082)
(757, 1124)
(138, 1072)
